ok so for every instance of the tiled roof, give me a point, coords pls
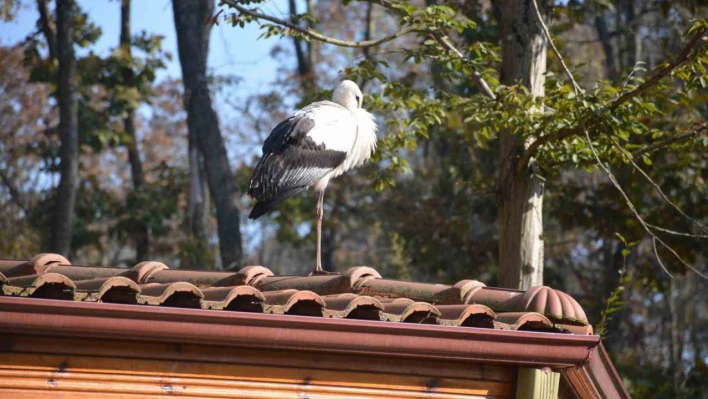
(359, 293)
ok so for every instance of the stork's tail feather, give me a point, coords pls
(263, 207)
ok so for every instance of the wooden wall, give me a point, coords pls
(48, 367)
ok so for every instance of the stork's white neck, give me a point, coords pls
(346, 99)
(348, 95)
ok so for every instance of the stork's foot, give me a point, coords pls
(321, 272)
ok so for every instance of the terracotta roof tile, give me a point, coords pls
(467, 315)
(47, 285)
(240, 298)
(523, 320)
(352, 306)
(359, 293)
(406, 310)
(292, 301)
(180, 294)
(107, 289)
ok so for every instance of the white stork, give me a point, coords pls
(318, 142)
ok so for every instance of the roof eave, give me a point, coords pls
(597, 378)
(159, 324)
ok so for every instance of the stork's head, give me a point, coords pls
(348, 95)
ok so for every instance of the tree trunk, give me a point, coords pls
(64, 218)
(603, 35)
(140, 233)
(369, 29)
(197, 195)
(47, 26)
(633, 50)
(521, 195)
(304, 56)
(203, 124)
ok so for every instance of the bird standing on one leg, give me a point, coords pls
(319, 142)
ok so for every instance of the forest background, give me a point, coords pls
(128, 131)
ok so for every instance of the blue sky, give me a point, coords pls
(233, 51)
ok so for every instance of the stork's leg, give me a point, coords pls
(319, 211)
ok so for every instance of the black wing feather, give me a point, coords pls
(291, 162)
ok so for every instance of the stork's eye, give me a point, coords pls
(358, 100)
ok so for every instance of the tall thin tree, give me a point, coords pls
(141, 235)
(64, 212)
(193, 46)
(521, 194)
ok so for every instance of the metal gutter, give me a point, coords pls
(604, 375)
(45, 317)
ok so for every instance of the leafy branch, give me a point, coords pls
(702, 127)
(316, 35)
(594, 119)
(482, 84)
(597, 120)
(406, 11)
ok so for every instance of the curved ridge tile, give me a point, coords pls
(47, 285)
(552, 303)
(78, 273)
(304, 303)
(6, 266)
(252, 275)
(141, 272)
(359, 274)
(240, 298)
(249, 275)
(37, 265)
(198, 278)
(499, 299)
(173, 295)
(116, 289)
(44, 259)
(322, 285)
(465, 289)
(385, 288)
(352, 306)
(467, 315)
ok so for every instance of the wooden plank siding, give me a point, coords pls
(48, 367)
(537, 384)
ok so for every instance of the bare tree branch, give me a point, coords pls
(658, 258)
(677, 233)
(639, 218)
(629, 158)
(576, 87)
(592, 122)
(318, 36)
